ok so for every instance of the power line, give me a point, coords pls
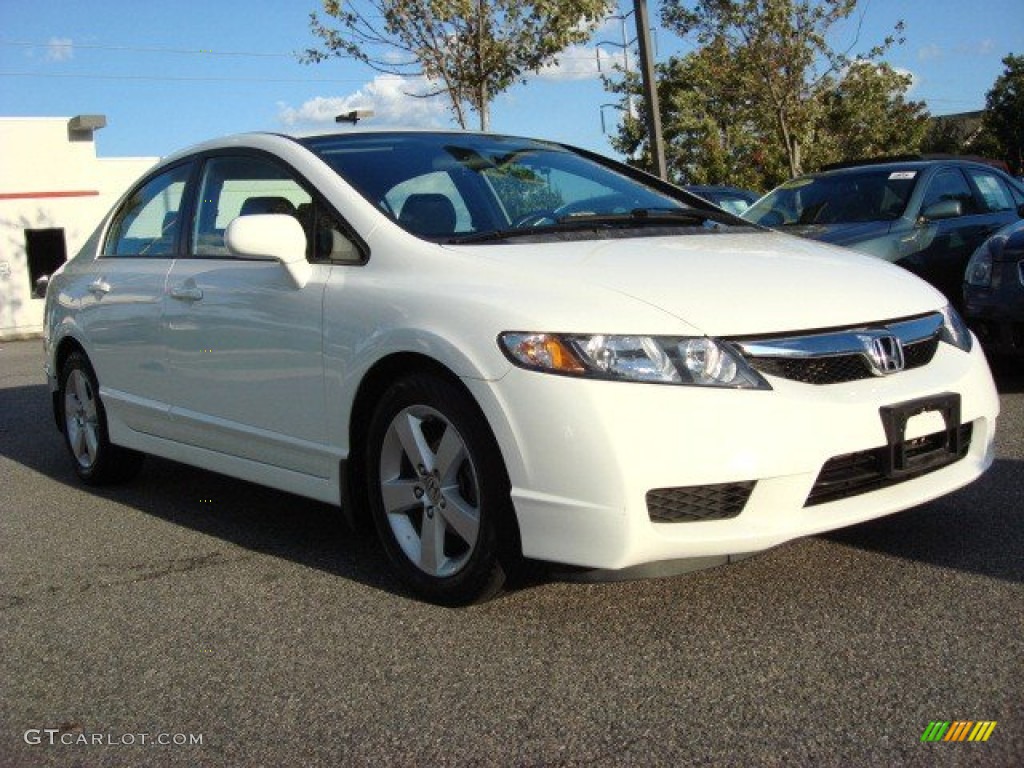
(174, 78)
(142, 49)
(64, 44)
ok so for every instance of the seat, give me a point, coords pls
(428, 214)
(267, 204)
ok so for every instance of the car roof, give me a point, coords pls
(909, 162)
(271, 139)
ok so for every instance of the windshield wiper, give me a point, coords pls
(573, 222)
(641, 216)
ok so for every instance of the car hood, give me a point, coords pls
(841, 234)
(725, 284)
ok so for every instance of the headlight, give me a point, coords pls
(979, 268)
(955, 330)
(695, 361)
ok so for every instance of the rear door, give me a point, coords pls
(121, 300)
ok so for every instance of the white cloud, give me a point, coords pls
(929, 52)
(915, 79)
(59, 49)
(386, 95)
(984, 47)
(580, 62)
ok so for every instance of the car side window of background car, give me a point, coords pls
(950, 184)
(147, 224)
(246, 185)
(995, 194)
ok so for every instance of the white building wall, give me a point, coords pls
(50, 178)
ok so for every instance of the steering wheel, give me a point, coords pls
(536, 219)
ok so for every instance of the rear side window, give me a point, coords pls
(148, 223)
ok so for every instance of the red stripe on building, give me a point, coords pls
(39, 195)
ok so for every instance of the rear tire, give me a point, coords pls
(95, 459)
(439, 492)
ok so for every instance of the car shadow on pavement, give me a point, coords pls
(1008, 373)
(251, 516)
(979, 529)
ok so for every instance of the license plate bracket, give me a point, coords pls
(894, 420)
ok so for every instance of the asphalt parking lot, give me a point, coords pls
(187, 605)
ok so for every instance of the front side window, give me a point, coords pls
(148, 223)
(246, 185)
(949, 184)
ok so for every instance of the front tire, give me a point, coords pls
(96, 460)
(439, 492)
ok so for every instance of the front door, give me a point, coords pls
(243, 344)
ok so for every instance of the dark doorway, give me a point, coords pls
(46, 250)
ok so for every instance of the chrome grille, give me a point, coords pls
(839, 356)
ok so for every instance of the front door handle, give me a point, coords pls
(99, 287)
(186, 292)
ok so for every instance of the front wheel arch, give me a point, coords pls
(429, 435)
(374, 384)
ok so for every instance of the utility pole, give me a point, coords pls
(643, 37)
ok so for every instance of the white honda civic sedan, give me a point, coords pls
(497, 348)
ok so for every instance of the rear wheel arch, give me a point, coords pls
(95, 459)
(65, 348)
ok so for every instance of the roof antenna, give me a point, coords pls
(354, 116)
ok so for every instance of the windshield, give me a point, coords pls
(847, 197)
(453, 187)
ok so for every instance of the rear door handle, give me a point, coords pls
(185, 292)
(99, 287)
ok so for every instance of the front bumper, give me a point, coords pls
(583, 455)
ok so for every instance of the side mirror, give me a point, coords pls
(944, 209)
(271, 236)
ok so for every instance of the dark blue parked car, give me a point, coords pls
(925, 215)
(994, 292)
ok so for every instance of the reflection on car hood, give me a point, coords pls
(730, 284)
(840, 234)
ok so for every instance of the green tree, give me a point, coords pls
(471, 49)
(866, 115)
(709, 136)
(766, 95)
(1004, 113)
(948, 137)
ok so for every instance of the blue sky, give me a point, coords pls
(167, 75)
